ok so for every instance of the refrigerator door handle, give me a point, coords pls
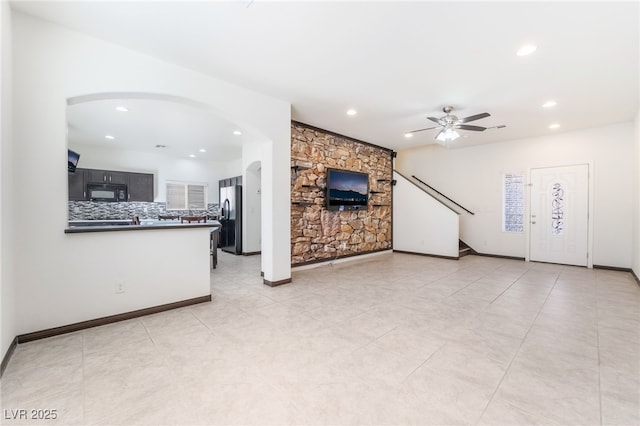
(225, 209)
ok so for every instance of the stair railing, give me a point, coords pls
(441, 194)
(412, 182)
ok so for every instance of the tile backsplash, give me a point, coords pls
(97, 210)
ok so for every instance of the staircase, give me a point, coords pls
(426, 221)
(463, 249)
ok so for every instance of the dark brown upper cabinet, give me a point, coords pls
(139, 185)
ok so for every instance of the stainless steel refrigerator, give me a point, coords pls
(231, 217)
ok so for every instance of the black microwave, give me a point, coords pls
(107, 192)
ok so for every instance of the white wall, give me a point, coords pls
(251, 231)
(134, 258)
(53, 64)
(274, 175)
(234, 167)
(252, 158)
(163, 167)
(252, 195)
(8, 326)
(636, 215)
(473, 177)
(421, 224)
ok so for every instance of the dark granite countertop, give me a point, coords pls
(76, 227)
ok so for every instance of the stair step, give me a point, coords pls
(463, 249)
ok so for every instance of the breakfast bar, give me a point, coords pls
(114, 225)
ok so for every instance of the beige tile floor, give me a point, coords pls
(391, 340)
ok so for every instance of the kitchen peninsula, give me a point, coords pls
(120, 272)
(133, 270)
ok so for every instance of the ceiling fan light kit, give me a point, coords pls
(447, 135)
(449, 123)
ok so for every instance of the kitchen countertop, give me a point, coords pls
(83, 226)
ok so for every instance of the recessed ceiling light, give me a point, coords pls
(554, 126)
(352, 112)
(237, 132)
(525, 50)
(109, 137)
(160, 146)
(192, 155)
(549, 104)
(122, 109)
(408, 135)
(203, 150)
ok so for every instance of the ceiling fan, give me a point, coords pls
(450, 123)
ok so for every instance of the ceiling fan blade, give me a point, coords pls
(468, 127)
(474, 117)
(420, 130)
(435, 120)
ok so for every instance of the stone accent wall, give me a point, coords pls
(317, 233)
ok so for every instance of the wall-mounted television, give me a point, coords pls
(347, 190)
(73, 161)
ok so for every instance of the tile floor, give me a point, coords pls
(390, 340)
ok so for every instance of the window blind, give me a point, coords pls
(186, 196)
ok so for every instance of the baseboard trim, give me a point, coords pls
(251, 253)
(56, 331)
(276, 283)
(340, 260)
(427, 254)
(333, 259)
(616, 268)
(612, 268)
(497, 256)
(8, 355)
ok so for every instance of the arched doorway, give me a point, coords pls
(252, 237)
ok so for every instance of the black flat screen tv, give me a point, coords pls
(347, 190)
(73, 161)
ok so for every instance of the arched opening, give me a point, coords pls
(177, 140)
(252, 237)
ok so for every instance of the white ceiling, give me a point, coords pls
(183, 130)
(394, 62)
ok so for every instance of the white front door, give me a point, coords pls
(560, 215)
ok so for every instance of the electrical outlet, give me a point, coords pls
(120, 287)
(343, 246)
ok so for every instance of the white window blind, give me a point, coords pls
(176, 196)
(196, 197)
(186, 196)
